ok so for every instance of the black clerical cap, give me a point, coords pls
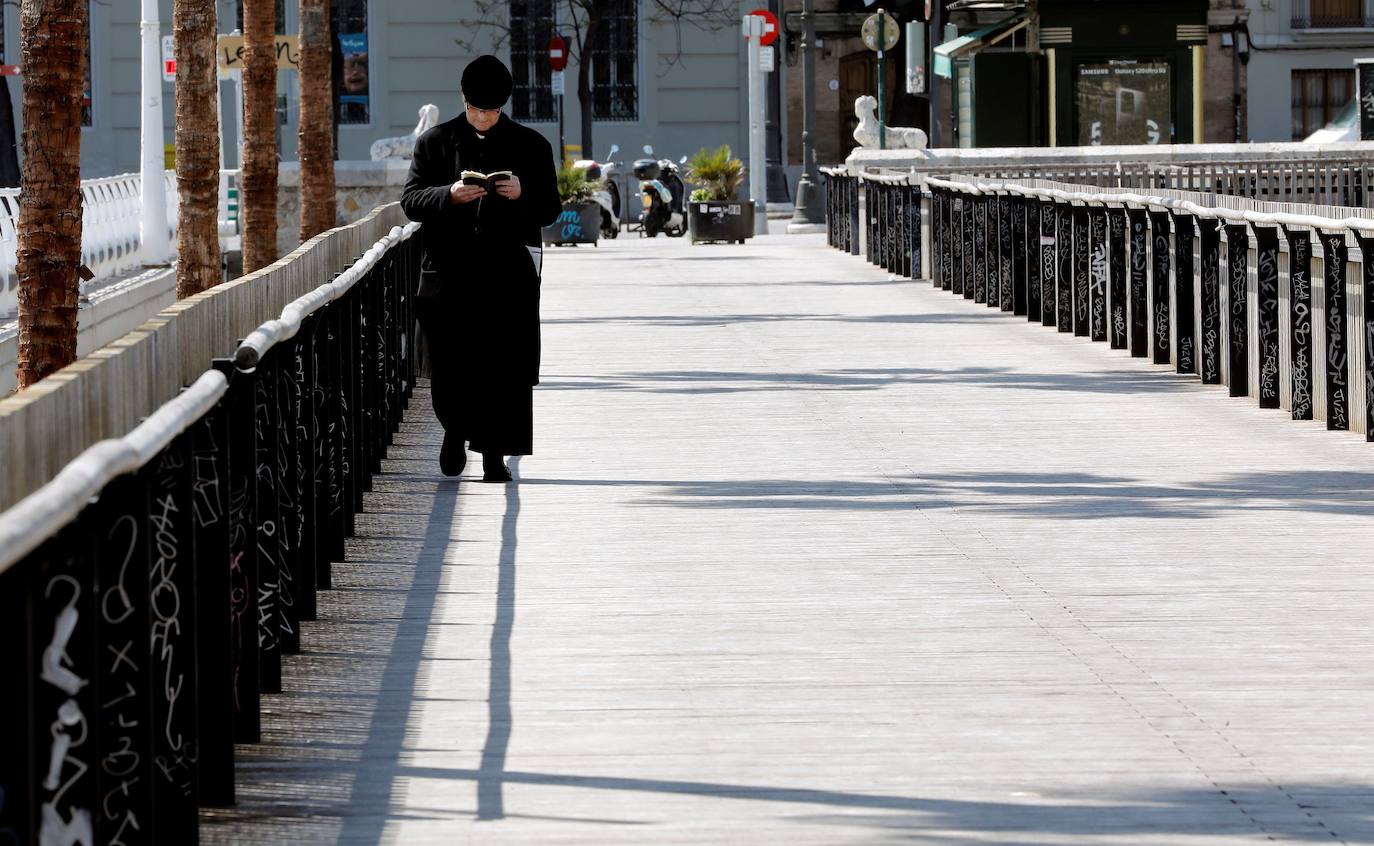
(486, 83)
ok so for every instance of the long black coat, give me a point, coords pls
(475, 265)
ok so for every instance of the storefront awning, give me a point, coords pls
(966, 45)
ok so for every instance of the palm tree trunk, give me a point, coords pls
(53, 35)
(317, 120)
(197, 146)
(258, 186)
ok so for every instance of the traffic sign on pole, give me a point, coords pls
(755, 30)
(770, 26)
(169, 60)
(558, 53)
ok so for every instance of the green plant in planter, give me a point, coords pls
(574, 187)
(700, 195)
(718, 173)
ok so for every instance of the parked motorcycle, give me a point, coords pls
(609, 195)
(664, 196)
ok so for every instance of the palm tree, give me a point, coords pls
(197, 145)
(317, 120)
(258, 184)
(52, 37)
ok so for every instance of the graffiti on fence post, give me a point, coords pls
(1300, 299)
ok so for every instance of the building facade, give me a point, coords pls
(1302, 55)
(674, 88)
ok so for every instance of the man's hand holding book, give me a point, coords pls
(472, 185)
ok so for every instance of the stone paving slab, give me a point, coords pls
(807, 554)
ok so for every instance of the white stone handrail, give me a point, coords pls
(110, 240)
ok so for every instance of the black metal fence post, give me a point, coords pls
(266, 521)
(1049, 262)
(1064, 243)
(1005, 279)
(1209, 299)
(20, 742)
(944, 240)
(916, 264)
(1185, 315)
(1160, 251)
(1097, 274)
(212, 560)
(121, 730)
(1118, 327)
(1337, 345)
(982, 256)
(1367, 291)
(1267, 311)
(968, 254)
(1238, 308)
(174, 632)
(1021, 253)
(66, 711)
(853, 215)
(1139, 290)
(1300, 303)
(244, 664)
(1082, 270)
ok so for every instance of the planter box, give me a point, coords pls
(579, 223)
(720, 221)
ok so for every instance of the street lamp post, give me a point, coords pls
(156, 241)
(807, 215)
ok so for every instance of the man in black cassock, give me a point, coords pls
(478, 301)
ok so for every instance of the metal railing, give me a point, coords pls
(1274, 301)
(111, 209)
(1327, 174)
(149, 591)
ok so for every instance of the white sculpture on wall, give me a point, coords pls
(898, 137)
(403, 147)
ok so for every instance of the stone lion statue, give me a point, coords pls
(898, 137)
(403, 147)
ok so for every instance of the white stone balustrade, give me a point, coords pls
(110, 240)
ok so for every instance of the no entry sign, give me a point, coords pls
(558, 53)
(770, 26)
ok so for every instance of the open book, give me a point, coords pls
(486, 180)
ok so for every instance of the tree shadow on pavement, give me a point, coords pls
(705, 382)
(1064, 496)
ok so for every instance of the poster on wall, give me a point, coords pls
(1123, 102)
(353, 99)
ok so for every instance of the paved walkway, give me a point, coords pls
(810, 555)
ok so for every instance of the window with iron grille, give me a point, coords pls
(532, 24)
(1318, 96)
(615, 60)
(1329, 14)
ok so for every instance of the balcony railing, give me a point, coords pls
(1331, 14)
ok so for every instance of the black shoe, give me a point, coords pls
(494, 469)
(453, 456)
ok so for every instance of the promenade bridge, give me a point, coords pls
(1007, 510)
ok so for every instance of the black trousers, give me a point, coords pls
(476, 397)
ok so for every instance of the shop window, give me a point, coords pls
(352, 84)
(532, 24)
(1318, 96)
(615, 59)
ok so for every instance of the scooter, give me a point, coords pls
(664, 195)
(609, 195)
